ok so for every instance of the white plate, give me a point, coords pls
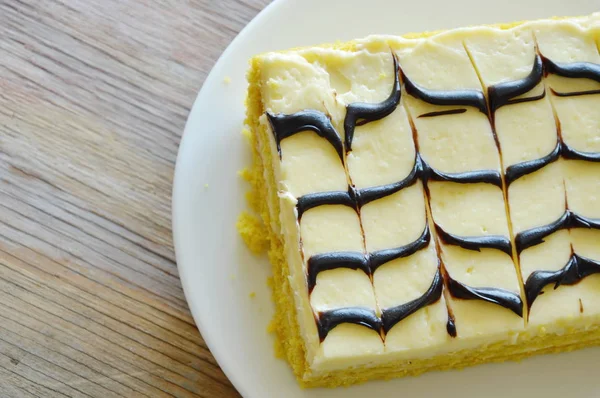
(217, 271)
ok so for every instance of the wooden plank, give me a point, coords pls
(94, 96)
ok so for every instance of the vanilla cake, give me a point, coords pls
(430, 201)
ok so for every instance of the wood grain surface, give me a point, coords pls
(94, 95)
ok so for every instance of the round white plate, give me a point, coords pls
(217, 271)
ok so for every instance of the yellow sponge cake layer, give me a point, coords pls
(432, 202)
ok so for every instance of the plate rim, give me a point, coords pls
(211, 79)
(210, 82)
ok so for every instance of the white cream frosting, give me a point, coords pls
(383, 151)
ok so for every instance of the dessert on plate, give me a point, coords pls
(432, 201)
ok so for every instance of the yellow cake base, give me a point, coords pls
(284, 325)
(289, 343)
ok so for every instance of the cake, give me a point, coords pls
(431, 201)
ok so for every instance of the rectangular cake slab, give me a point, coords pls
(431, 202)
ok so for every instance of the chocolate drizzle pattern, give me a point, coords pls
(568, 220)
(577, 268)
(476, 243)
(505, 93)
(575, 70)
(332, 260)
(308, 201)
(573, 154)
(500, 95)
(357, 198)
(575, 93)
(443, 113)
(391, 316)
(367, 195)
(469, 177)
(368, 112)
(501, 297)
(518, 170)
(381, 257)
(328, 320)
(474, 98)
(366, 262)
(285, 126)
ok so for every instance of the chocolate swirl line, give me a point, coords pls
(286, 125)
(503, 93)
(576, 269)
(368, 263)
(527, 99)
(518, 170)
(367, 195)
(328, 320)
(443, 113)
(474, 98)
(574, 70)
(568, 220)
(318, 263)
(469, 177)
(476, 243)
(311, 200)
(501, 297)
(391, 316)
(357, 198)
(573, 154)
(422, 170)
(574, 93)
(369, 112)
(381, 257)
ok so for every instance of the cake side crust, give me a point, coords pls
(284, 325)
(496, 353)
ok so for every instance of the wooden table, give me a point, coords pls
(94, 95)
